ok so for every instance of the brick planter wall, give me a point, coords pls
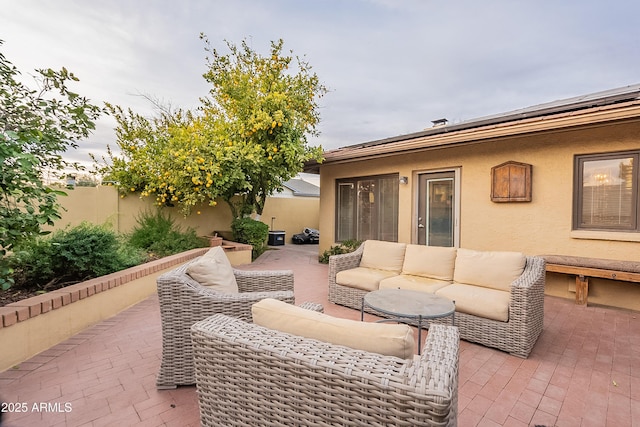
(35, 324)
(35, 306)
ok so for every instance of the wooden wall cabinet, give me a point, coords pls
(511, 182)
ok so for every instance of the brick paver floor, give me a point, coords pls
(583, 371)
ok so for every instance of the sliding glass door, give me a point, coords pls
(367, 208)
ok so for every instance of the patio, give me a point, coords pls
(583, 371)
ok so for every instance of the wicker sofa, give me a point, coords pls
(515, 329)
(184, 301)
(250, 375)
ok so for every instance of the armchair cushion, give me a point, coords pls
(214, 270)
(386, 339)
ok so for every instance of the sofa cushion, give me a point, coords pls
(214, 270)
(478, 301)
(382, 255)
(413, 283)
(496, 270)
(382, 338)
(429, 261)
(363, 278)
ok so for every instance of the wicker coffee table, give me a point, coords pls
(411, 307)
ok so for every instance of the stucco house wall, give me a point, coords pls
(542, 226)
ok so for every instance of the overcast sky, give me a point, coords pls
(391, 66)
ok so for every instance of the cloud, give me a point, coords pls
(391, 66)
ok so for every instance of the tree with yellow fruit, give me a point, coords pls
(246, 139)
(266, 106)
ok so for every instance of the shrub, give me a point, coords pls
(67, 256)
(160, 236)
(252, 232)
(129, 254)
(343, 248)
(32, 263)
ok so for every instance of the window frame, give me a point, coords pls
(578, 191)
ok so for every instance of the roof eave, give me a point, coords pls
(448, 136)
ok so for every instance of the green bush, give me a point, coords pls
(343, 248)
(32, 263)
(88, 251)
(160, 236)
(72, 255)
(252, 232)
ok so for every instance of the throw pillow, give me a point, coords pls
(214, 270)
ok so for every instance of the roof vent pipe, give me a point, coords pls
(439, 122)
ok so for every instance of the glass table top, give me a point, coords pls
(406, 303)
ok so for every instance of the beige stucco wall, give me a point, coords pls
(98, 205)
(292, 214)
(102, 204)
(542, 226)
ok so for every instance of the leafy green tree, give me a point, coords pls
(173, 157)
(247, 138)
(36, 127)
(266, 105)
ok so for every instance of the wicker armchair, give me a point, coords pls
(183, 301)
(248, 375)
(517, 336)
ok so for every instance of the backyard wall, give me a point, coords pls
(102, 204)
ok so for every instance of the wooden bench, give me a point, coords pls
(583, 268)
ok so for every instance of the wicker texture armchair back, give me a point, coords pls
(183, 301)
(248, 375)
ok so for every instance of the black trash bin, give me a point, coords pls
(276, 238)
